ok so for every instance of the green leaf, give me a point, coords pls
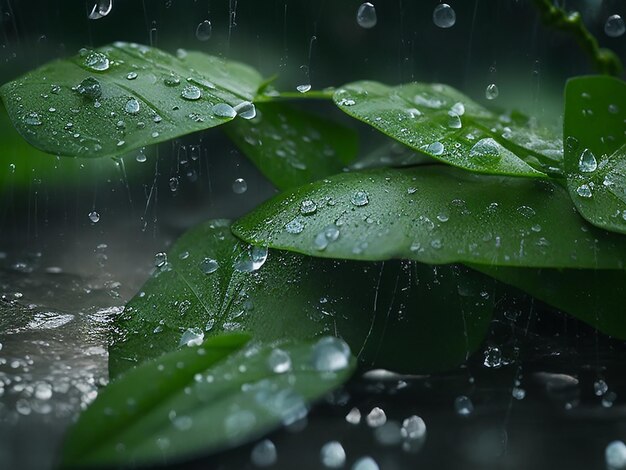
(439, 121)
(434, 215)
(595, 149)
(204, 399)
(292, 147)
(391, 154)
(398, 315)
(595, 297)
(123, 96)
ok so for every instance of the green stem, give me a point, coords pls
(605, 60)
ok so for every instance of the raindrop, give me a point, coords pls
(518, 393)
(264, 454)
(458, 109)
(33, 119)
(353, 416)
(90, 87)
(587, 162)
(43, 391)
(192, 337)
(413, 428)
(304, 88)
(160, 259)
(97, 61)
(171, 81)
(94, 217)
(463, 405)
(132, 106)
(100, 9)
(454, 121)
(600, 387)
(131, 76)
(366, 16)
(209, 265)
(365, 463)
(331, 354)
(333, 455)
(444, 16)
(279, 361)
(436, 148)
(614, 26)
(486, 151)
(173, 184)
(492, 92)
(203, 31)
(295, 226)
(251, 260)
(360, 199)
(308, 207)
(246, 110)
(224, 110)
(240, 186)
(376, 417)
(584, 191)
(191, 93)
(615, 455)
(12, 167)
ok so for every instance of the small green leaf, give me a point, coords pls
(292, 147)
(595, 149)
(441, 122)
(120, 97)
(398, 315)
(204, 399)
(595, 297)
(434, 214)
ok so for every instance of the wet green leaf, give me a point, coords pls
(124, 96)
(435, 214)
(441, 122)
(292, 147)
(204, 399)
(398, 315)
(595, 297)
(595, 149)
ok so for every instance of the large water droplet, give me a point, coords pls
(330, 354)
(492, 92)
(366, 15)
(203, 31)
(587, 162)
(132, 106)
(304, 88)
(486, 151)
(100, 9)
(131, 75)
(191, 93)
(376, 417)
(584, 191)
(192, 337)
(97, 61)
(436, 148)
(308, 207)
(333, 455)
(264, 454)
(615, 455)
(444, 16)
(209, 265)
(614, 26)
(413, 428)
(360, 199)
(94, 217)
(454, 121)
(365, 463)
(246, 110)
(240, 186)
(353, 416)
(224, 110)
(251, 260)
(160, 259)
(171, 80)
(90, 87)
(279, 361)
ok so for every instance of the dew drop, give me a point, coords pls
(132, 106)
(204, 30)
(587, 162)
(444, 16)
(224, 110)
(454, 121)
(436, 148)
(584, 191)
(100, 9)
(279, 361)
(160, 259)
(192, 337)
(366, 16)
(413, 428)
(171, 81)
(33, 119)
(209, 265)
(94, 217)
(240, 186)
(173, 184)
(131, 76)
(294, 226)
(97, 61)
(90, 88)
(191, 93)
(492, 92)
(304, 88)
(486, 151)
(330, 354)
(614, 26)
(246, 110)
(600, 387)
(360, 199)
(308, 207)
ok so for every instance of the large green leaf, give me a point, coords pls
(400, 315)
(595, 297)
(292, 147)
(439, 121)
(434, 214)
(595, 149)
(204, 399)
(124, 96)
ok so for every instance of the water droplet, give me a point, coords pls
(330, 354)
(615, 455)
(600, 387)
(191, 92)
(192, 337)
(584, 191)
(43, 391)
(131, 76)
(160, 259)
(486, 151)
(360, 199)
(458, 109)
(209, 265)
(587, 162)
(366, 15)
(353, 416)
(90, 88)
(295, 226)
(240, 186)
(325, 237)
(251, 260)
(245, 110)
(279, 361)
(333, 455)
(444, 16)
(436, 148)
(413, 428)
(518, 393)
(33, 119)
(492, 92)
(454, 121)
(376, 417)
(132, 106)
(224, 110)
(463, 405)
(304, 88)
(171, 81)
(94, 217)
(308, 207)
(100, 9)
(526, 211)
(204, 30)
(173, 184)
(264, 454)
(614, 26)
(365, 463)
(97, 61)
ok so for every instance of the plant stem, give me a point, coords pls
(605, 60)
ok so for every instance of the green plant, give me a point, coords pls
(488, 196)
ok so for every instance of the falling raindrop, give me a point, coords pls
(94, 217)
(209, 265)
(191, 93)
(173, 184)
(366, 15)
(600, 387)
(333, 455)
(203, 31)
(100, 9)
(614, 26)
(264, 454)
(444, 16)
(492, 92)
(587, 162)
(463, 405)
(413, 428)
(240, 186)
